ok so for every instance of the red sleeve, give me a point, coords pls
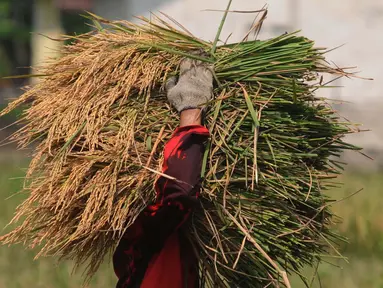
(177, 194)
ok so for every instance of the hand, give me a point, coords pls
(194, 87)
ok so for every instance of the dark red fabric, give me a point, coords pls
(149, 255)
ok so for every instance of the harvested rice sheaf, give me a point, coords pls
(99, 118)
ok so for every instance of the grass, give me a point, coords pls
(362, 223)
(362, 214)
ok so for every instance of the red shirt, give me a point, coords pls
(149, 255)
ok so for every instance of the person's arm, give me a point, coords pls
(177, 191)
(183, 154)
(191, 117)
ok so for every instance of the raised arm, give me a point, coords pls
(155, 231)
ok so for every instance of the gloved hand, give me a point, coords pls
(194, 87)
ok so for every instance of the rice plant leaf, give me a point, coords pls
(219, 31)
(253, 113)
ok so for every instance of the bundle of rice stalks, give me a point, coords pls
(100, 119)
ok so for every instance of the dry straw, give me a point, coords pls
(100, 119)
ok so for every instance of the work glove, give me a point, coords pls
(194, 87)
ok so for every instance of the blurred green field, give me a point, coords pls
(362, 223)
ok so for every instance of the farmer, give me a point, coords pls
(155, 252)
